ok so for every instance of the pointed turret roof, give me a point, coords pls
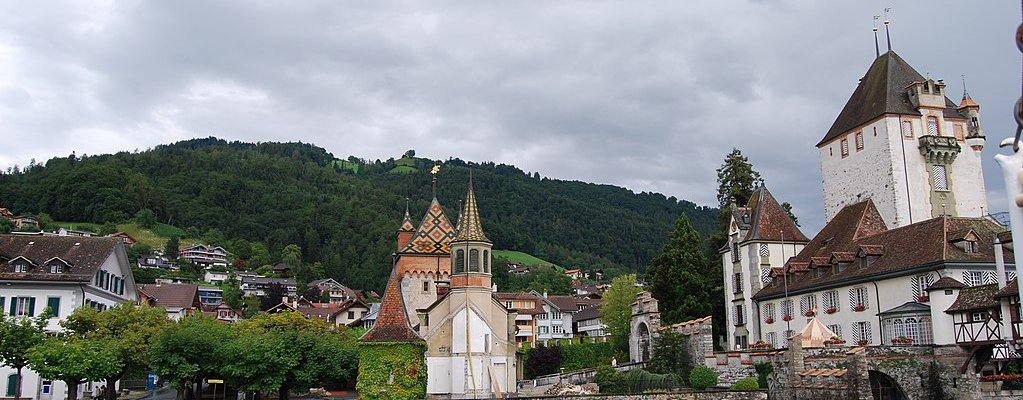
(770, 221)
(392, 323)
(881, 91)
(469, 228)
(434, 234)
(406, 223)
(967, 101)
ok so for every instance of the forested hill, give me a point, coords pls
(344, 212)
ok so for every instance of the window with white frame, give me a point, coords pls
(907, 129)
(859, 141)
(845, 148)
(786, 309)
(912, 329)
(772, 338)
(556, 329)
(861, 332)
(920, 284)
(769, 311)
(808, 304)
(836, 328)
(508, 305)
(939, 180)
(543, 329)
(830, 301)
(21, 268)
(541, 316)
(555, 314)
(977, 278)
(23, 306)
(859, 298)
(56, 268)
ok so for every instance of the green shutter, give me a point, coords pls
(1, 305)
(14, 305)
(31, 306)
(54, 304)
(12, 383)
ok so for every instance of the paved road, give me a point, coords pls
(168, 393)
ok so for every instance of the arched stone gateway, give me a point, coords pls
(644, 342)
(883, 387)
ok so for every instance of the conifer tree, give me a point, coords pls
(678, 277)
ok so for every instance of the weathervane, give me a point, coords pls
(887, 34)
(434, 171)
(877, 48)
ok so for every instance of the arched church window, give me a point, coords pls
(474, 260)
(459, 261)
(486, 261)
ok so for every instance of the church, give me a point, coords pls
(440, 294)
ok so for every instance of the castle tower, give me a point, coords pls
(406, 230)
(901, 143)
(470, 249)
(424, 259)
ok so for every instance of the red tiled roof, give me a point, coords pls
(946, 282)
(975, 298)
(392, 324)
(906, 247)
(770, 221)
(1011, 289)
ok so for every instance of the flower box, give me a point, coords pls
(923, 299)
(768, 320)
(902, 340)
(761, 345)
(859, 307)
(786, 318)
(835, 341)
(862, 343)
(831, 310)
(1002, 377)
(809, 313)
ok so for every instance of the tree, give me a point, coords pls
(294, 353)
(170, 249)
(616, 309)
(125, 329)
(6, 226)
(45, 221)
(240, 248)
(73, 360)
(233, 293)
(736, 180)
(145, 218)
(274, 295)
(409, 154)
(788, 210)
(189, 350)
(678, 276)
(671, 354)
(17, 336)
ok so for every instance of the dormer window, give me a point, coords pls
(56, 268)
(970, 246)
(21, 268)
(819, 272)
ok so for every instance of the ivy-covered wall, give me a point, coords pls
(392, 370)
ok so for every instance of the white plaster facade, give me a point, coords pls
(752, 268)
(890, 170)
(70, 295)
(881, 295)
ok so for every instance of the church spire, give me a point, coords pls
(406, 223)
(469, 227)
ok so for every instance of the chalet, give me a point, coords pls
(348, 313)
(588, 323)
(25, 221)
(281, 270)
(336, 292)
(6, 214)
(60, 273)
(204, 256)
(222, 312)
(257, 285)
(527, 306)
(126, 238)
(575, 274)
(555, 322)
(179, 299)
(155, 260)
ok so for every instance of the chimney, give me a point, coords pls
(545, 293)
(284, 299)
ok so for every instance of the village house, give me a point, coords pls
(59, 273)
(74, 232)
(125, 237)
(254, 285)
(222, 312)
(336, 292)
(210, 295)
(347, 313)
(527, 307)
(588, 323)
(155, 260)
(178, 299)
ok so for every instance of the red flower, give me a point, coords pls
(831, 310)
(862, 342)
(769, 320)
(786, 318)
(808, 313)
(923, 299)
(859, 307)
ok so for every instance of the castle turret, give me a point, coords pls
(975, 134)
(406, 231)
(470, 249)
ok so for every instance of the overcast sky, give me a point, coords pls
(649, 95)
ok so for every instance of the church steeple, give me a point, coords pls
(470, 249)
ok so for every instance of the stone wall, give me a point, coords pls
(707, 395)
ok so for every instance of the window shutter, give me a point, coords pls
(940, 180)
(31, 306)
(1, 305)
(14, 306)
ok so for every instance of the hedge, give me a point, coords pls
(380, 361)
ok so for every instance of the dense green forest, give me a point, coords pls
(343, 213)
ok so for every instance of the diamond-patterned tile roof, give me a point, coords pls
(469, 228)
(434, 234)
(406, 223)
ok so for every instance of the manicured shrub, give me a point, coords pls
(747, 383)
(701, 378)
(611, 381)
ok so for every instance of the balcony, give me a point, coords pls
(939, 149)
